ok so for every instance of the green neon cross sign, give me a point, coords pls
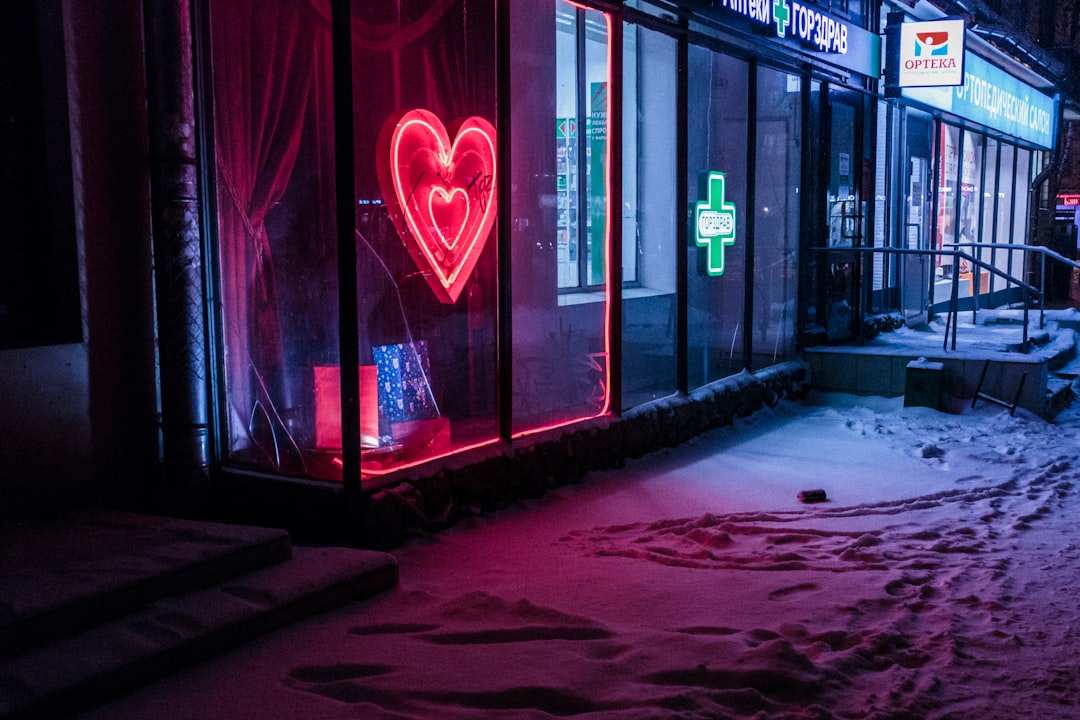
(782, 16)
(714, 223)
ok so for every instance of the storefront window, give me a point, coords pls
(1020, 213)
(581, 129)
(425, 165)
(993, 206)
(716, 144)
(278, 259)
(844, 211)
(917, 183)
(970, 188)
(649, 215)
(989, 191)
(559, 359)
(989, 208)
(776, 214)
(885, 145)
(424, 162)
(1006, 169)
(968, 230)
(948, 178)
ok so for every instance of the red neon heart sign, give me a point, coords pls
(440, 194)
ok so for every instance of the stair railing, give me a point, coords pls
(1031, 293)
(1044, 254)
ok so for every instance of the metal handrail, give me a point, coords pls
(1044, 253)
(953, 310)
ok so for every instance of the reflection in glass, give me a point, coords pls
(1020, 258)
(560, 339)
(581, 71)
(776, 215)
(948, 178)
(1006, 174)
(989, 207)
(649, 215)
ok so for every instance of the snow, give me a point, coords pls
(938, 580)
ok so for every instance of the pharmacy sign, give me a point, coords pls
(714, 223)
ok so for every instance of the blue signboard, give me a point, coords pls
(994, 98)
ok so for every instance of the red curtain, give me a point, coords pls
(273, 123)
(265, 55)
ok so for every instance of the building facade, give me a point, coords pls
(328, 245)
(562, 211)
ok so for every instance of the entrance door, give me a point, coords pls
(915, 280)
(845, 212)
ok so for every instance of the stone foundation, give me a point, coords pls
(492, 478)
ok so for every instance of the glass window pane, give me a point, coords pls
(425, 175)
(1020, 213)
(885, 145)
(993, 207)
(425, 270)
(968, 220)
(559, 366)
(776, 215)
(649, 215)
(947, 194)
(1004, 258)
(716, 143)
(568, 134)
(843, 194)
(581, 107)
(989, 191)
(596, 119)
(989, 206)
(276, 231)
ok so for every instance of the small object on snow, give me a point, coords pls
(812, 496)
(931, 450)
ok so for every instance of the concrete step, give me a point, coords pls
(1064, 318)
(174, 614)
(65, 573)
(1060, 394)
(1018, 371)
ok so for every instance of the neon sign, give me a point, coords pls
(440, 194)
(714, 223)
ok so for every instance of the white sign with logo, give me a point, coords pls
(932, 53)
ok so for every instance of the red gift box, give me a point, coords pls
(328, 407)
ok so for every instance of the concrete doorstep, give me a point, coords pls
(97, 603)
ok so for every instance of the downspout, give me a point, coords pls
(177, 252)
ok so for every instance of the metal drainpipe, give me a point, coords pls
(177, 248)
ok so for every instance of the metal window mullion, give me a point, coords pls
(682, 263)
(583, 178)
(749, 220)
(935, 174)
(348, 321)
(504, 225)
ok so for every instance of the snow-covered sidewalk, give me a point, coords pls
(941, 579)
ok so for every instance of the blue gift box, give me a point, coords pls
(404, 382)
